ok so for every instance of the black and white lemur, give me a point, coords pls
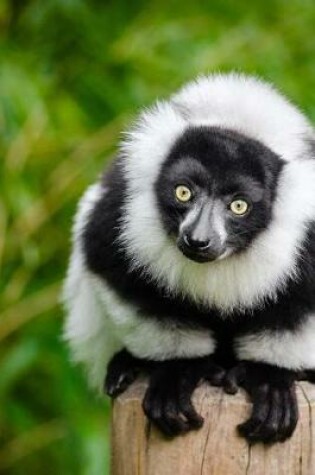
(194, 256)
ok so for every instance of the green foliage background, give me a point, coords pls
(72, 75)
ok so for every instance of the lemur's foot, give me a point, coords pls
(167, 402)
(122, 370)
(275, 412)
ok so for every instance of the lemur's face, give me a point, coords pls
(215, 192)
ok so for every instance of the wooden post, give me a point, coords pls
(216, 449)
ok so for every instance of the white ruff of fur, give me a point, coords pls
(256, 110)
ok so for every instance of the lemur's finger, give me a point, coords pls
(260, 410)
(173, 419)
(290, 413)
(268, 431)
(194, 419)
(168, 409)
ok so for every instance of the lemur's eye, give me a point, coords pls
(183, 193)
(239, 207)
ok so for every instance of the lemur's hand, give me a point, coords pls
(167, 402)
(275, 412)
(306, 375)
(122, 370)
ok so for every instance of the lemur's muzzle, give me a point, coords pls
(198, 238)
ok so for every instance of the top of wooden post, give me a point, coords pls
(216, 449)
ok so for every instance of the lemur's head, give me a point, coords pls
(215, 191)
(220, 184)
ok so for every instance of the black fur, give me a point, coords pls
(216, 155)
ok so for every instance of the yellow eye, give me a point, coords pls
(239, 207)
(183, 193)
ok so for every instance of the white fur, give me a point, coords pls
(249, 106)
(219, 222)
(150, 339)
(201, 227)
(213, 213)
(288, 349)
(234, 101)
(257, 110)
(87, 330)
(99, 323)
(190, 218)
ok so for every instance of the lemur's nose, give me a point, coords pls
(196, 244)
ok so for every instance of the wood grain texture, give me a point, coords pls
(216, 449)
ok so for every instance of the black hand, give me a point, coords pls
(167, 402)
(122, 371)
(307, 375)
(275, 411)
